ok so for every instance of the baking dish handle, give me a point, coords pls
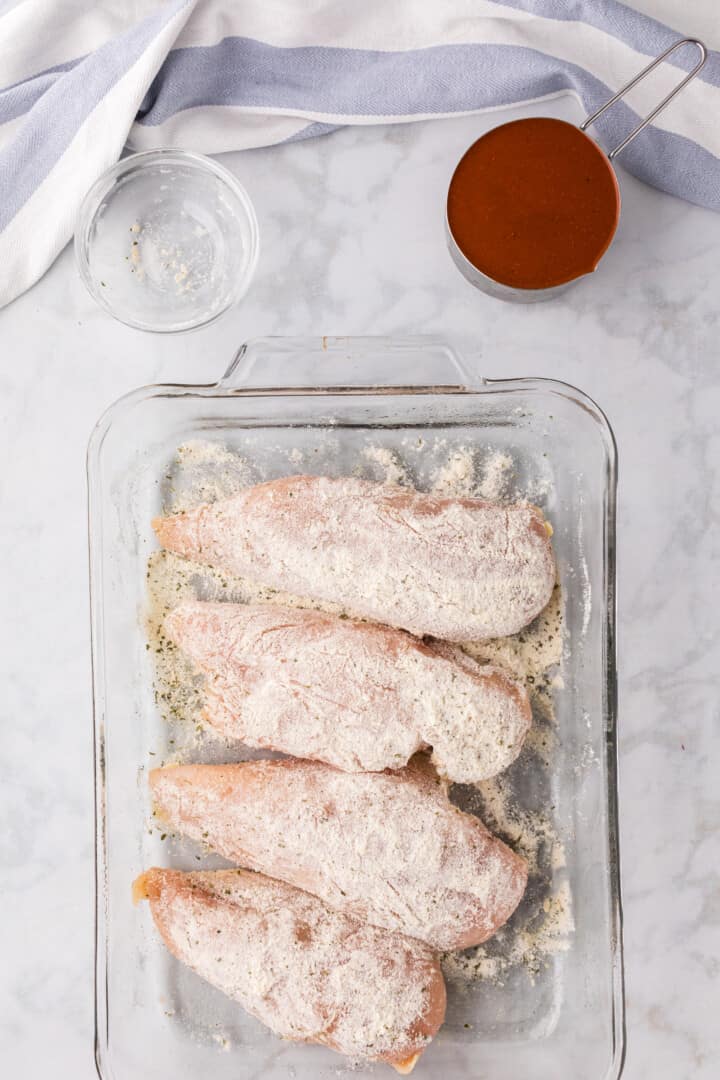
(347, 363)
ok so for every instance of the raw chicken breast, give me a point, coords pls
(355, 695)
(308, 972)
(387, 848)
(460, 569)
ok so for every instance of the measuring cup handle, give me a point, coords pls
(638, 78)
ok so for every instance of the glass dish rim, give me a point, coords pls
(91, 203)
(471, 387)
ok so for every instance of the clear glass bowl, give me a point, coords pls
(167, 240)
(155, 1018)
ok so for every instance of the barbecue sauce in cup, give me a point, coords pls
(533, 204)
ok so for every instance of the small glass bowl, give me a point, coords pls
(167, 240)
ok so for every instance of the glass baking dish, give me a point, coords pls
(155, 1019)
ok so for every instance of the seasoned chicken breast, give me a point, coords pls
(308, 972)
(387, 848)
(355, 695)
(455, 568)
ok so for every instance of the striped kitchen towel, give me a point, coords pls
(79, 81)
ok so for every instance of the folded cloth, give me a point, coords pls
(79, 81)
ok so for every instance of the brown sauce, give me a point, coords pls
(534, 203)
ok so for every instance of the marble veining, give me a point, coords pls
(352, 243)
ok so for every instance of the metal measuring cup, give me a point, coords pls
(505, 291)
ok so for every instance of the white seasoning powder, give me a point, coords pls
(456, 476)
(496, 475)
(388, 467)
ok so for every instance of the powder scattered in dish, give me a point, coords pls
(388, 467)
(532, 949)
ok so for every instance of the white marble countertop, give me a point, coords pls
(352, 243)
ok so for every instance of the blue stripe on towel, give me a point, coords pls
(641, 32)
(56, 117)
(446, 78)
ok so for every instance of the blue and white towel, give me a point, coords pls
(79, 80)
